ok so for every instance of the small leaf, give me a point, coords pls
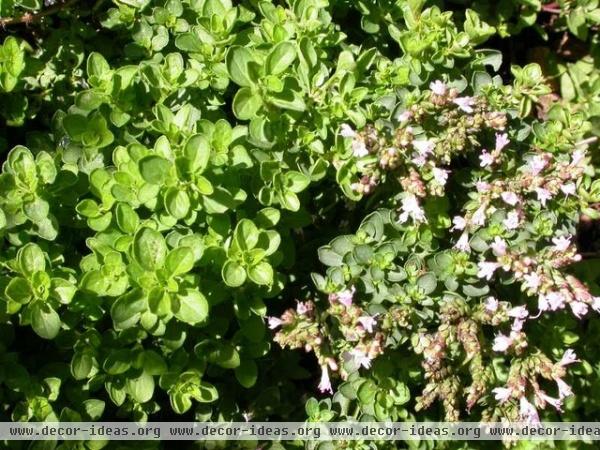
(149, 249)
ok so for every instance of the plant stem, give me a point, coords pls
(28, 18)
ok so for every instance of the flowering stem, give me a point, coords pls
(28, 18)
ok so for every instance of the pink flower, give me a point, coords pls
(528, 412)
(487, 159)
(360, 358)
(568, 189)
(518, 312)
(424, 147)
(491, 304)
(459, 223)
(368, 322)
(543, 195)
(463, 243)
(345, 297)
(419, 160)
(579, 309)
(346, 131)
(512, 220)
(487, 269)
(510, 198)
(482, 186)
(438, 87)
(569, 357)
(405, 116)
(502, 394)
(532, 281)
(411, 208)
(302, 307)
(561, 243)
(440, 176)
(464, 103)
(536, 165)
(555, 402)
(274, 322)
(516, 326)
(501, 141)
(555, 300)
(498, 246)
(564, 390)
(325, 383)
(501, 343)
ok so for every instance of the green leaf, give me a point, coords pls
(193, 307)
(261, 274)
(245, 235)
(127, 218)
(18, 290)
(97, 65)
(154, 169)
(177, 203)
(246, 103)
(127, 309)
(197, 153)
(44, 320)
(238, 61)
(233, 273)
(149, 249)
(247, 373)
(427, 282)
(141, 388)
(31, 259)
(280, 58)
(179, 261)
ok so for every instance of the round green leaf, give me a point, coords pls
(193, 307)
(149, 249)
(233, 274)
(154, 169)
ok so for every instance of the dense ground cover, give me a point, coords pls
(299, 210)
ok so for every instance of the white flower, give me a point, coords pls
(501, 141)
(498, 246)
(438, 87)
(543, 195)
(411, 208)
(555, 300)
(440, 175)
(510, 198)
(487, 159)
(424, 147)
(274, 322)
(516, 326)
(463, 243)
(555, 402)
(347, 131)
(578, 156)
(512, 220)
(502, 394)
(501, 343)
(532, 281)
(360, 358)
(479, 216)
(491, 304)
(359, 149)
(562, 243)
(579, 309)
(464, 103)
(459, 223)
(564, 390)
(596, 304)
(569, 357)
(518, 312)
(325, 383)
(568, 189)
(487, 269)
(536, 165)
(528, 412)
(368, 322)
(419, 160)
